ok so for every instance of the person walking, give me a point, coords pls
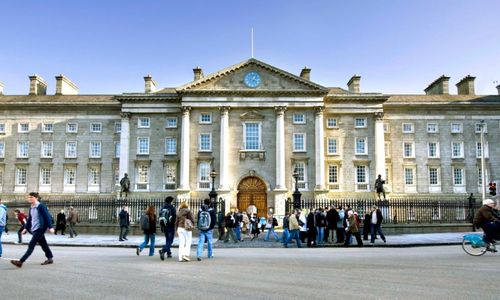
(230, 223)
(352, 229)
(245, 228)
(124, 223)
(311, 229)
(185, 226)
(72, 220)
(238, 220)
(206, 224)
(149, 230)
(376, 224)
(254, 226)
(3, 222)
(293, 225)
(39, 220)
(60, 222)
(286, 227)
(168, 217)
(21, 217)
(271, 222)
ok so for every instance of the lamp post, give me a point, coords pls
(296, 194)
(213, 194)
(483, 179)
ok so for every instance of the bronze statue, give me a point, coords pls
(125, 185)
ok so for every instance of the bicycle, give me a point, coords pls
(473, 244)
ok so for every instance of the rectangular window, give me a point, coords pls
(361, 146)
(21, 175)
(432, 127)
(171, 123)
(300, 168)
(69, 176)
(457, 149)
(360, 123)
(299, 118)
(361, 177)
(2, 128)
(2, 149)
(23, 149)
(332, 146)
(70, 150)
(433, 176)
(95, 127)
(143, 123)
(117, 149)
(409, 174)
(94, 175)
(252, 136)
(95, 149)
(204, 176)
(478, 128)
(333, 177)
(408, 150)
(205, 118)
(72, 127)
(299, 142)
(118, 127)
(331, 123)
(456, 127)
(170, 146)
(407, 127)
(45, 176)
(170, 172)
(479, 149)
(47, 127)
(142, 177)
(143, 145)
(458, 176)
(46, 149)
(23, 127)
(205, 142)
(433, 150)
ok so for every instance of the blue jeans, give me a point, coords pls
(2, 228)
(268, 233)
(376, 229)
(320, 235)
(147, 238)
(285, 235)
(169, 239)
(237, 231)
(38, 237)
(293, 234)
(205, 235)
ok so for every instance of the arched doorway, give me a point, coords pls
(252, 190)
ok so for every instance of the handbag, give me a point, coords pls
(188, 225)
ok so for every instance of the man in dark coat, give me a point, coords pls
(332, 217)
(124, 223)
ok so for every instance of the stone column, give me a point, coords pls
(320, 148)
(184, 174)
(280, 147)
(224, 148)
(124, 143)
(379, 145)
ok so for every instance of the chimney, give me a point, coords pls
(149, 84)
(64, 86)
(353, 84)
(38, 86)
(498, 89)
(439, 86)
(466, 86)
(1, 89)
(198, 73)
(306, 73)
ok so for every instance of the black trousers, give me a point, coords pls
(38, 237)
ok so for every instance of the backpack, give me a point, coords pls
(165, 217)
(204, 220)
(144, 221)
(275, 222)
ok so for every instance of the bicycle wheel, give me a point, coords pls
(473, 250)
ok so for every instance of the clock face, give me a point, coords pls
(252, 79)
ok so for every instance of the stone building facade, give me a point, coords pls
(254, 125)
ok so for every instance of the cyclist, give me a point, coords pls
(487, 219)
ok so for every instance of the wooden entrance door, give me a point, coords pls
(252, 191)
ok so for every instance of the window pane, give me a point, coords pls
(252, 136)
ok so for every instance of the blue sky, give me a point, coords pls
(106, 47)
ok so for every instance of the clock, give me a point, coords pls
(252, 79)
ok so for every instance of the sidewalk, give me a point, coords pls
(86, 240)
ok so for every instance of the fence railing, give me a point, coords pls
(106, 210)
(403, 211)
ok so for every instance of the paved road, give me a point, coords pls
(443, 272)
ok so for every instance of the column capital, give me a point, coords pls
(319, 110)
(185, 109)
(379, 116)
(280, 109)
(224, 109)
(125, 115)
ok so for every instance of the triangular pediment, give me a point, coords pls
(251, 115)
(272, 81)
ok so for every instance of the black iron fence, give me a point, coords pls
(403, 211)
(106, 210)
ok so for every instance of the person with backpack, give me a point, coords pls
(148, 226)
(206, 224)
(167, 225)
(271, 222)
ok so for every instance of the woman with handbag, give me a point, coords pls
(185, 226)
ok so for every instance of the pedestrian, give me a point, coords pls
(238, 219)
(352, 230)
(60, 222)
(168, 217)
(293, 225)
(367, 220)
(311, 228)
(124, 223)
(206, 224)
(320, 225)
(254, 226)
(340, 225)
(286, 227)
(245, 228)
(271, 222)
(376, 224)
(149, 230)
(39, 220)
(332, 217)
(185, 226)
(3, 222)
(379, 186)
(73, 218)
(303, 226)
(21, 218)
(229, 223)
(262, 223)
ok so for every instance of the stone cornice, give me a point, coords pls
(253, 93)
